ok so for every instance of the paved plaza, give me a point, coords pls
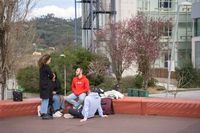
(113, 124)
(193, 95)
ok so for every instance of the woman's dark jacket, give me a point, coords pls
(57, 87)
(46, 83)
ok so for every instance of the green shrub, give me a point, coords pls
(107, 83)
(186, 76)
(152, 82)
(28, 78)
(135, 82)
(198, 78)
(138, 81)
(127, 82)
(95, 80)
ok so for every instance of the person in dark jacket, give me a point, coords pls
(45, 85)
(58, 99)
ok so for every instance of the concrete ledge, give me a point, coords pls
(157, 106)
(128, 105)
(9, 108)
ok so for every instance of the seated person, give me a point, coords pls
(92, 104)
(80, 87)
(58, 100)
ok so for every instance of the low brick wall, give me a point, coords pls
(157, 106)
(9, 108)
(128, 105)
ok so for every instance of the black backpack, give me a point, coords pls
(17, 95)
(99, 91)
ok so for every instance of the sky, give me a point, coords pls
(60, 8)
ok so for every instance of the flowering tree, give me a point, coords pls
(144, 34)
(117, 46)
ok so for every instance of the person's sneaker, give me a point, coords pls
(60, 113)
(46, 117)
(57, 114)
(68, 116)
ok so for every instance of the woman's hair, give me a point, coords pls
(43, 60)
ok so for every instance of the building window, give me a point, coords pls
(166, 59)
(197, 27)
(197, 54)
(165, 3)
(167, 31)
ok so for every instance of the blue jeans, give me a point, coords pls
(44, 106)
(72, 99)
(58, 103)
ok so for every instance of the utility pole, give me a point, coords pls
(75, 21)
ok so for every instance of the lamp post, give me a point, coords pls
(35, 47)
(171, 63)
(65, 75)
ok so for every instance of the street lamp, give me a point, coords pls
(35, 47)
(171, 63)
(65, 77)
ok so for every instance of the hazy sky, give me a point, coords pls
(61, 8)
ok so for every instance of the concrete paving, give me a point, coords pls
(194, 95)
(113, 124)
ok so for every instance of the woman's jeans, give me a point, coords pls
(44, 106)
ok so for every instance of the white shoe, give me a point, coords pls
(57, 114)
(38, 110)
(68, 116)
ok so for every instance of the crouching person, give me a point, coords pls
(58, 99)
(92, 104)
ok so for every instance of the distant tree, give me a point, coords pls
(78, 57)
(56, 32)
(117, 47)
(144, 35)
(11, 12)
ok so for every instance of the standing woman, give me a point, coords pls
(45, 84)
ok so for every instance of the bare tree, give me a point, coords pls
(12, 12)
(99, 65)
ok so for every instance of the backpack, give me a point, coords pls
(17, 95)
(99, 91)
(107, 106)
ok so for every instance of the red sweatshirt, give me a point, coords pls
(80, 85)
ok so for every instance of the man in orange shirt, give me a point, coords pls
(80, 87)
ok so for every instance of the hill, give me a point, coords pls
(55, 32)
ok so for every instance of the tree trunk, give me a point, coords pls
(3, 86)
(3, 64)
(118, 85)
(2, 60)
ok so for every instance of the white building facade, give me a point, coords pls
(186, 47)
(196, 35)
